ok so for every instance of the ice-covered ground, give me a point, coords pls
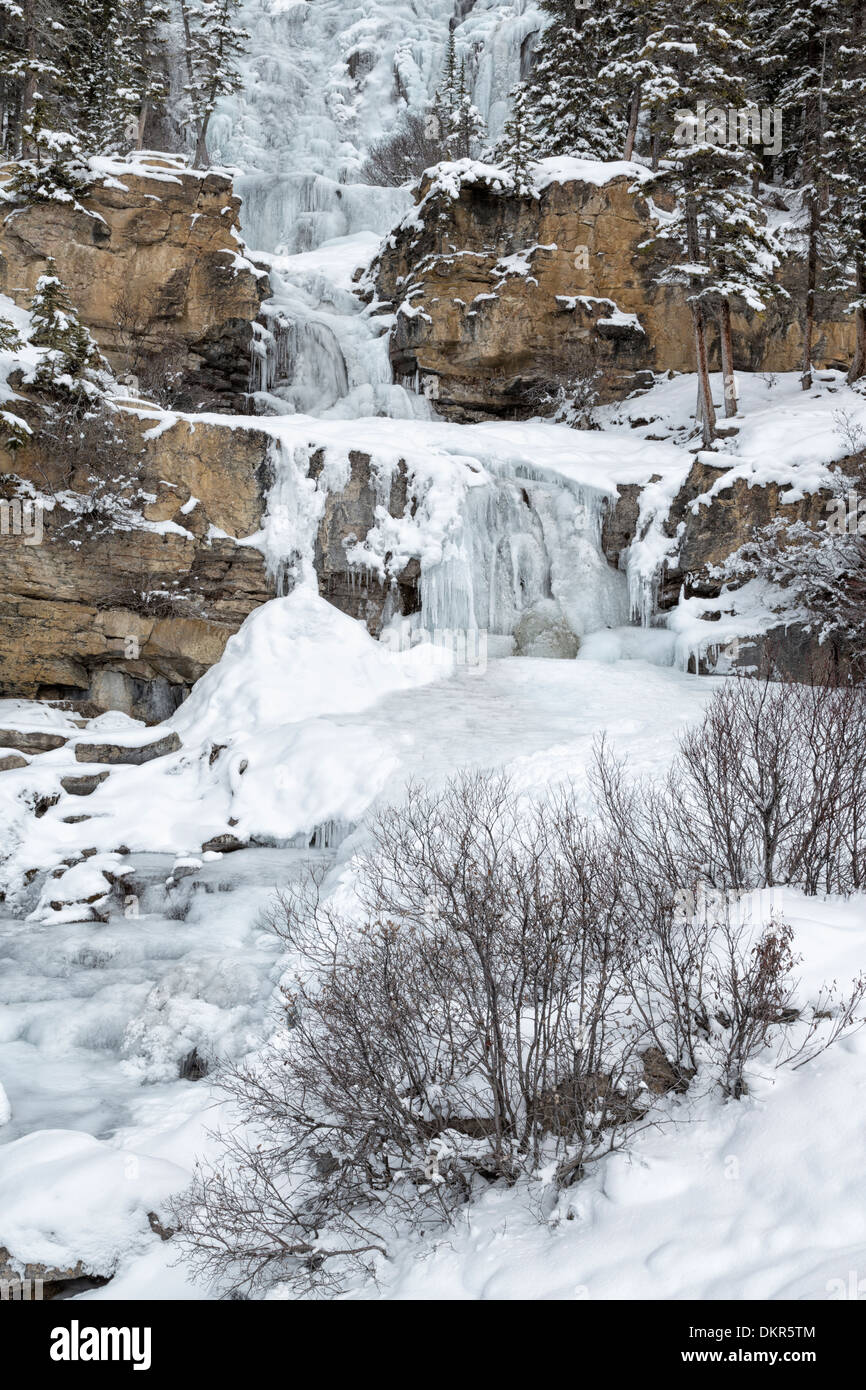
(99, 1017)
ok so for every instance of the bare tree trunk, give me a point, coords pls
(142, 124)
(29, 91)
(732, 404)
(201, 159)
(811, 283)
(707, 418)
(858, 364)
(187, 50)
(633, 116)
(708, 413)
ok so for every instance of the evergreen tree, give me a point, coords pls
(445, 100)
(717, 224)
(635, 73)
(802, 50)
(847, 178)
(55, 326)
(75, 78)
(467, 127)
(212, 43)
(571, 111)
(515, 148)
(10, 339)
(142, 75)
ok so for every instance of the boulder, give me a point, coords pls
(136, 754)
(543, 631)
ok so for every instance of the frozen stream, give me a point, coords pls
(99, 1020)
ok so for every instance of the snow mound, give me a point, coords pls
(297, 658)
(68, 1198)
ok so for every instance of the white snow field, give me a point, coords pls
(131, 959)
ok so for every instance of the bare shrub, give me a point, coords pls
(850, 430)
(160, 373)
(401, 157)
(750, 985)
(573, 400)
(470, 1029)
(484, 1010)
(771, 787)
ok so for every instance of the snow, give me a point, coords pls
(737, 1200)
(343, 671)
(303, 728)
(68, 1198)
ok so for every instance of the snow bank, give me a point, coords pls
(66, 1198)
(293, 659)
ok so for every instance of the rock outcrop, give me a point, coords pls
(145, 566)
(503, 298)
(706, 524)
(140, 577)
(153, 261)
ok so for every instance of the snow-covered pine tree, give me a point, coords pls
(467, 128)
(213, 41)
(633, 73)
(717, 223)
(30, 56)
(514, 150)
(143, 80)
(10, 339)
(571, 111)
(75, 78)
(56, 327)
(117, 54)
(847, 173)
(445, 99)
(744, 255)
(802, 47)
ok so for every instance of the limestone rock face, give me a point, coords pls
(348, 516)
(502, 298)
(125, 605)
(709, 529)
(141, 573)
(154, 269)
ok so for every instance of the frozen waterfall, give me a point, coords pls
(525, 544)
(322, 83)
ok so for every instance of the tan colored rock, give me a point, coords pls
(129, 616)
(155, 260)
(12, 761)
(488, 338)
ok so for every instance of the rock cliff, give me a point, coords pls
(154, 264)
(501, 298)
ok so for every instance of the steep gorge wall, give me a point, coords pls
(501, 297)
(149, 558)
(154, 264)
